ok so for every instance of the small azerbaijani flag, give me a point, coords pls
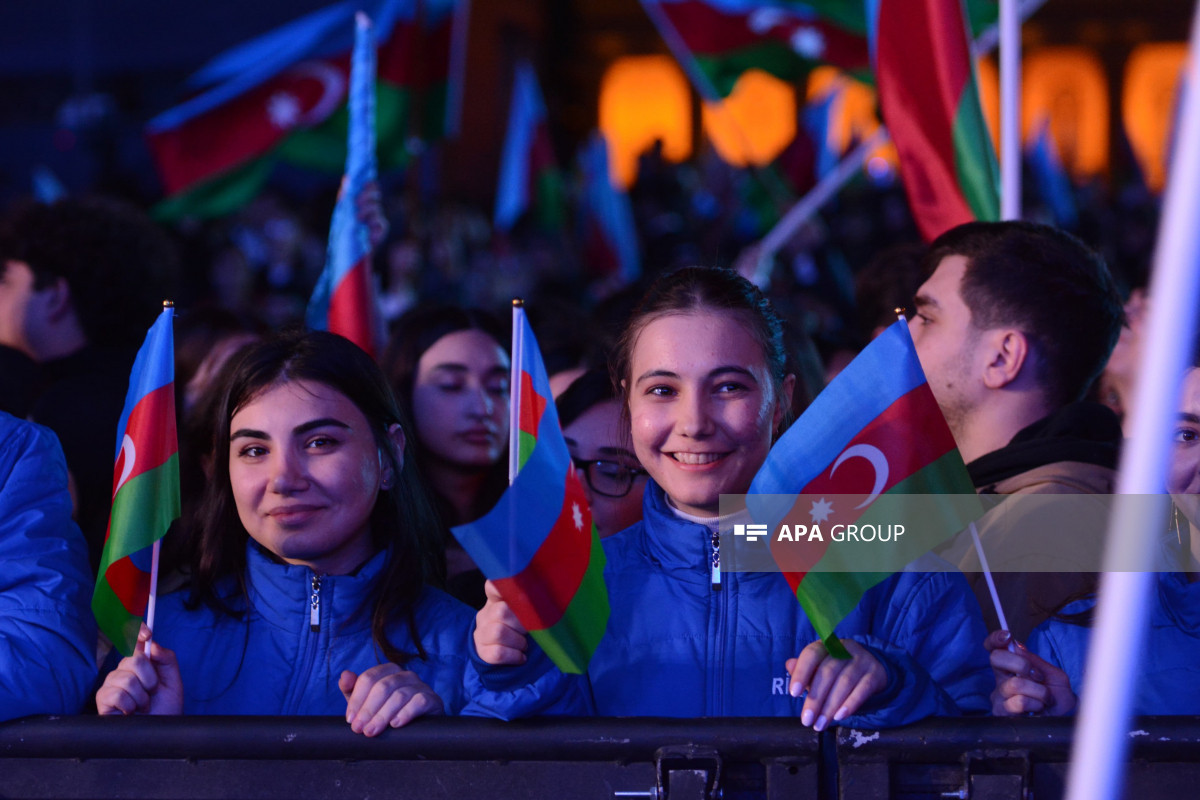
(145, 490)
(875, 425)
(609, 232)
(930, 103)
(538, 544)
(528, 173)
(343, 300)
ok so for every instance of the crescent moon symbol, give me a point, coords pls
(872, 454)
(128, 456)
(333, 87)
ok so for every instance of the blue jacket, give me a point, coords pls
(272, 662)
(1169, 678)
(47, 632)
(675, 647)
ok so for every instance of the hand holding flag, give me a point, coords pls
(538, 546)
(145, 491)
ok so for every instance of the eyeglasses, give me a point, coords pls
(608, 478)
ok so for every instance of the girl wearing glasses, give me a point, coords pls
(701, 365)
(600, 446)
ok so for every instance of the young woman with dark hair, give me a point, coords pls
(311, 565)
(702, 369)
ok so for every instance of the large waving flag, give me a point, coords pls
(343, 300)
(930, 102)
(609, 235)
(717, 40)
(874, 430)
(145, 490)
(528, 173)
(538, 544)
(283, 96)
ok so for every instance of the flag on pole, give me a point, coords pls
(538, 545)
(343, 300)
(876, 429)
(145, 489)
(282, 96)
(930, 102)
(610, 235)
(1052, 180)
(528, 174)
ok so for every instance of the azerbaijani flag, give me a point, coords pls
(538, 544)
(609, 232)
(528, 174)
(717, 40)
(876, 429)
(343, 300)
(145, 489)
(930, 103)
(818, 117)
(282, 96)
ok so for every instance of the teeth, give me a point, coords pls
(696, 458)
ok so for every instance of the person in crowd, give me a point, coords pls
(47, 633)
(701, 365)
(589, 412)
(451, 366)
(310, 578)
(82, 280)
(1012, 325)
(1047, 677)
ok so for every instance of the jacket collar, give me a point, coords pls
(281, 593)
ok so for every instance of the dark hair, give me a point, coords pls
(696, 288)
(118, 263)
(591, 388)
(413, 334)
(402, 519)
(1045, 282)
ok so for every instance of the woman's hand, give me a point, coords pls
(499, 636)
(1025, 683)
(386, 695)
(143, 684)
(836, 687)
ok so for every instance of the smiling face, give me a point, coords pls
(1183, 473)
(306, 471)
(460, 399)
(702, 407)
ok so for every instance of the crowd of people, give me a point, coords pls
(313, 570)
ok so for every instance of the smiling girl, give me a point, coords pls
(701, 365)
(308, 586)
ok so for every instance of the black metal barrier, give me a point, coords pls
(307, 758)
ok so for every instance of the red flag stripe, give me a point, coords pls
(351, 308)
(533, 405)
(709, 31)
(130, 584)
(540, 593)
(151, 436)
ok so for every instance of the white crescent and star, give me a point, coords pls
(877, 460)
(129, 455)
(283, 108)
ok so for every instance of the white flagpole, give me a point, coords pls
(1010, 110)
(1101, 731)
(514, 391)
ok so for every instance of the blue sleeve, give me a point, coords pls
(47, 632)
(534, 688)
(930, 642)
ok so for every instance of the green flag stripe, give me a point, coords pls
(772, 56)
(828, 596)
(142, 511)
(974, 157)
(571, 641)
(118, 625)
